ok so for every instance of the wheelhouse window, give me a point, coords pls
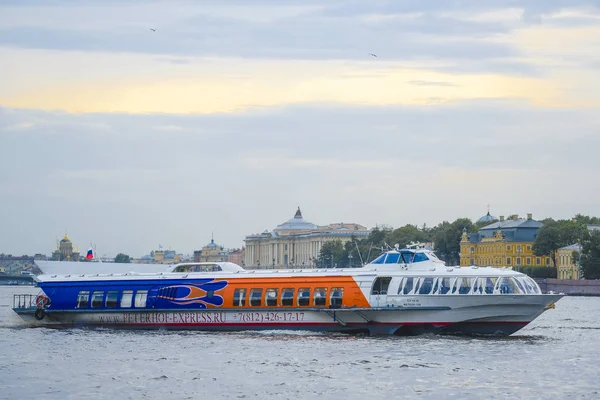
(335, 300)
(111, 299)
(255, 297)
(287, 297)
(82, 299)
(420, 257)
(126, 298)
(140, 298)
(271, 297)
(97, 298)
(239, 297)
(381, 284)
(407, 258)
(320, 297)
(392, 258)
(303, 297)
(379, 260)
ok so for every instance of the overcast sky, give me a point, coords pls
(235, 112)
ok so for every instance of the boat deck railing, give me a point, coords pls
(24, 301)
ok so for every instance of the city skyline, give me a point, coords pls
(232, 113)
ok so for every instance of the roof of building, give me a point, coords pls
(574, 247)
(593, 227)
(298, 223)
(513, 230)
(65, 239)
(212, 244)
(487, 218)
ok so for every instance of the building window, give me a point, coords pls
(320, 297)
(528, 248)
(336, 297)
(271, 297)
(538, 261)
(548, 261)
(285, 246)
(239, 297)
(140, 298)
(508, 247)
(255, 297)
(528, 261)
(287, 297)
(111, 299)
(303, 297)
(126, 298)
(97, 298)
(518, 260)
(82, 299)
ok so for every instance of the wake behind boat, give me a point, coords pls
(402, 292)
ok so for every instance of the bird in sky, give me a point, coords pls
(153, 30)
(374, 55)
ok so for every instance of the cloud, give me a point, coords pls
(134, 184)
(431, 83)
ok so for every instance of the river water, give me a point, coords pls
(555, 357)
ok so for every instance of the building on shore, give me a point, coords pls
(212, 252)
(296, 242)
(505, 243)
(566, 266)
(237, 256)
(65, 251)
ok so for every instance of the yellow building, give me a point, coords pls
(566, 267)
(505, 243)
(212, 252)
(65, 251)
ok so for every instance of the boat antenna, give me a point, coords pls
(359, 256)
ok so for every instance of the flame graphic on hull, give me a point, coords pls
(201, 294)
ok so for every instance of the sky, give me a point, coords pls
(233, 113)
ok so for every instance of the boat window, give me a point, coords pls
(455, 285)
(408, 285)
(379, 260)
(287, 297)
(140, 298)
(420, 257)
(436, 285)
(97, 298)
(490, 283)
(392, 258)
(82, 299)
(426, 286)
(534, 286)
(337, 293)
(465, 286)
(304, 296)
(520, 285)
(255, 297)
(271, 297)
(478, 286)
(381, 284)
(126, 298)
(239, 297)
(320, 297)
(407, 258)
(507, 286)
(445, 285)
(111, 299)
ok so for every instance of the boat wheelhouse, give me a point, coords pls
(406, 291)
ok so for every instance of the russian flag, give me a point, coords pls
(90, 254)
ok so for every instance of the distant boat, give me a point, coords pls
(401, 292)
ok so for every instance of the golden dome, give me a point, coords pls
(65, 239)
